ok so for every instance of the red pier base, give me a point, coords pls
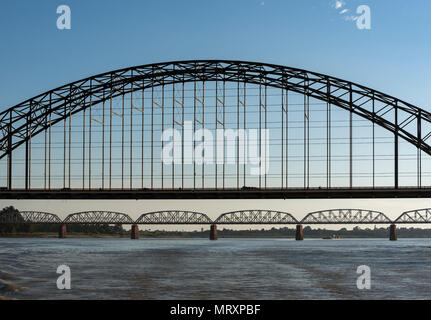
(62, 231)
(134, 232)
(299, 232)
(213, 232)
(393, 232)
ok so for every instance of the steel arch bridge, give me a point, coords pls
(99, 137)
(346, 216)
(256, 217)
(98, 217)
(173, 217)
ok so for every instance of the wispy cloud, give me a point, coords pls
(338, 4)
(344, 11)
(350, 18)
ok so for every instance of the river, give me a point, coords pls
(120, 268)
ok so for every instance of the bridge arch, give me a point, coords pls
(346, 216)
(24, 121)
(319, 86)
(39, 217)
(173, 217)
(256, 217)
(35, 217)
(415, 216)
(98, 217)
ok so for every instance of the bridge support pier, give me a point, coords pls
(134, 232)
(393, 232)
(62, 231)
(299, 232)
(213, 232)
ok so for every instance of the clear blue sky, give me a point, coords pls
(394, 56)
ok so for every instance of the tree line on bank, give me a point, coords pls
(356, 232)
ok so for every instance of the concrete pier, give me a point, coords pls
(393, 232)
(213, 232)
(62, 231)
(299, 232)
(134, 232)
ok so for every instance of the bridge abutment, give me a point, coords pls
(213, 232)
(393, 232)
(299, 232)
(134, 232)
(62, 231)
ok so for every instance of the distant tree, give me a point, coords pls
(10, 214)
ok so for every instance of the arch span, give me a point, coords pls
(101, 217)
(346, 216)
(173, 217)
(26, 120)
(30, 117)
(256, 217)
(34, 217)
(39, 217)
(415, 216)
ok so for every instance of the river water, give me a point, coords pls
(120, 268)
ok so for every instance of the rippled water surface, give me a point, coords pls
(223, 269)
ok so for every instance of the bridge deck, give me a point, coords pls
(269, 193)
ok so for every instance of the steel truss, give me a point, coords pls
(173, 217)
(330, 216)
(30, 217)
(256, 217)
(346, 216)
(98, 217)
(415, 216)
(22, 122)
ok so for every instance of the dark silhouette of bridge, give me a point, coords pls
(241, 217)
(101, 137)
